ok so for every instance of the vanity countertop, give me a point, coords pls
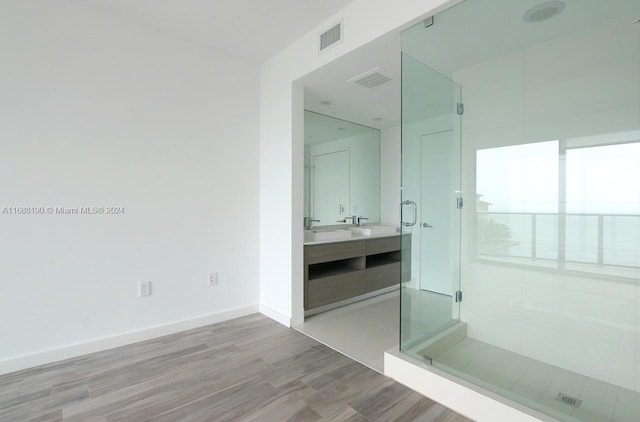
(354, 236)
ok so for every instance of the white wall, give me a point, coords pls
(390, 179)
(96, 111)
(281, 142)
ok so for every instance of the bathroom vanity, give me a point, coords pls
(337, 273)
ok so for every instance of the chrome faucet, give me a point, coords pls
(355, 220)
(308, 222)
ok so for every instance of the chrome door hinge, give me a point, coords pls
(460, 108)
(459, 203)
(459, 296)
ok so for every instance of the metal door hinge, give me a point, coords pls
(460, 108)
(458, 296)
(459, 203)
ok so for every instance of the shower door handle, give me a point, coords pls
(415, 213)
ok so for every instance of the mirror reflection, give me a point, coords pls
(342, 172)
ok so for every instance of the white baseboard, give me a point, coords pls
(275, 315)
(96, 345)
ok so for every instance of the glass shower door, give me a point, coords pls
(431, 201)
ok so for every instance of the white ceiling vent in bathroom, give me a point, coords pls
(331, 36)
(370, 79)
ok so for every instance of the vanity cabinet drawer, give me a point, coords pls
(334, 251)
(382, 276)
(385, 244)
(323, 291)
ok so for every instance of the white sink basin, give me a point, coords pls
(373, 230)
(326, 234)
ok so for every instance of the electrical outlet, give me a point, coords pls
(145, 288)
(213, 279)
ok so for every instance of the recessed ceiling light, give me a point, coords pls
(325, 102)
(377, 119)
(543, 11)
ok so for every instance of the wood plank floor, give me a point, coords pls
(247, 369)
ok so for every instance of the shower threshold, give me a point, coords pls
(481, 381)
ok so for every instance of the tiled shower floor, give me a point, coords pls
(518, 377)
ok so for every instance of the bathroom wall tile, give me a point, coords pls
(489, 137)
(492, 304)
(586, 70)
(497, 331)
(575, 321)
(636, 363)
(611, 120)
(637, 326)
(599, 286)
(540, 131)
(487, 282)
(581, 308)
(565, 349)
(493, 90)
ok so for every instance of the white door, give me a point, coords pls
(330, 187)
(438, 215)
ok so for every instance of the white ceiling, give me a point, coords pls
(351, 101)
(249, 29)
(319, 128)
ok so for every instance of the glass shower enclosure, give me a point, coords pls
(432, 201)
(521, 202)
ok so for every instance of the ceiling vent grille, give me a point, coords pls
(370, 79)
(331, 37)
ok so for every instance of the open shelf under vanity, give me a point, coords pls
(343, 272)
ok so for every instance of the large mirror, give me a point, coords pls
(342, 171)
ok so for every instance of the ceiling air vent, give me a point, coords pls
(370, 79)
(331, 36)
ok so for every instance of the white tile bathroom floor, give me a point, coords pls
(363, 330)
(366, 329)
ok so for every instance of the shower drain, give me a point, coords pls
(571, 401)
